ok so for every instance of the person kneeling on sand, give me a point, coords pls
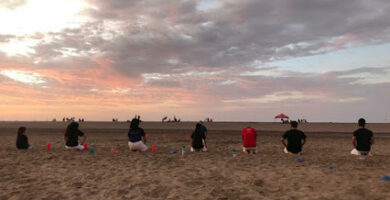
(137, 139)
(21, 139)
(249, 136)
(198, 139)
(71, 137)
(362, 139)
(295, 140)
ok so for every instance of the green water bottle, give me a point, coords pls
(183, 150)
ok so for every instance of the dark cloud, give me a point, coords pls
(170, 36)
(144, 36)
(235, 33)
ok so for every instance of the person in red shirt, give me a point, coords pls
(249, 136)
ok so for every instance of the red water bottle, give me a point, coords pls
(48, 146)
(153, 148)
(85, 146)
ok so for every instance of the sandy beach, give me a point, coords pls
(61, 174)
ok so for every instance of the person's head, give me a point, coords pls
(134, 124)
(21, 130)
(294, 124)
(72, 127)
(198, 127)
(362, 122)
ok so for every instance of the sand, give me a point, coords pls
(271, 174)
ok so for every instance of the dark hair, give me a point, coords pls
(134, 124)
(362, 122)
(198, 127)
(294, 124)
(72, 127)
(21, 131)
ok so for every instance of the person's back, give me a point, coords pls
(22, 140)
(295, 139)
(137, 136)
(198, 138)
(249, 136)
(72, 135)
(73, 138)
(362, 139)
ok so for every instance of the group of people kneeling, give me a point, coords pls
(137, 137)
(362, 138)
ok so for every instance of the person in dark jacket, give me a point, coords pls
(72, 135)
(198, 139)
(22, 140)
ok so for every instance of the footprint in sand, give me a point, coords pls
(77, 184)
(192, 183)
(122, 192)
(259, 182)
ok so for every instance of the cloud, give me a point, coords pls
(143, 36)
(12, 4)
(23, 77)
(6, 38)
(364, 75)
(219, 55)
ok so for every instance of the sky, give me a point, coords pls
(247, 60)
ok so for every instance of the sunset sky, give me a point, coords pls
(232, 60)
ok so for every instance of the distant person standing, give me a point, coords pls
(21, 139)
(72, 135)
(295, 140)
(249, 137)
(198, 139)
(362, 139)
(137, 139)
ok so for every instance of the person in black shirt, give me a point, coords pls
(362, 139)
(71, 137)
(137, 136)
(22, 140)
(198, 138)
(295, 140)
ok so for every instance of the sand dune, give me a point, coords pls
(60, 174)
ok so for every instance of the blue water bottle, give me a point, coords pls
(234, 153)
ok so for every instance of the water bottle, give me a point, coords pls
(183, 150)
(234, 153)
(92, 150)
